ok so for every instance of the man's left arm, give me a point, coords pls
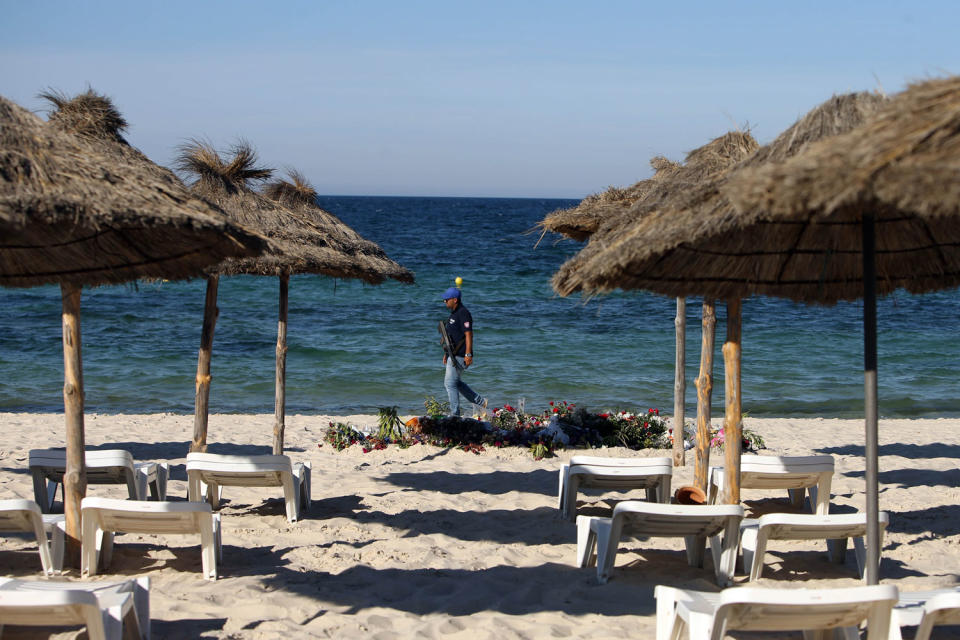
(468, 358)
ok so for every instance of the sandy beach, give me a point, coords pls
(433, 543)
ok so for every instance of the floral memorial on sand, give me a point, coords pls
(561, 425)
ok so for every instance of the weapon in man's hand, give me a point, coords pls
(448, 346)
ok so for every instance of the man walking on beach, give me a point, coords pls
(459, 328)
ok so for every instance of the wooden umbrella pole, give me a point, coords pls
(679, 383)
(704, 395)
(201, 403)
(732, 423)
(75, 475)
(871, 449)
(281, 382)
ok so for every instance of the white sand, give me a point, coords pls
(434, 543)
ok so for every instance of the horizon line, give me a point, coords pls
(356, 195)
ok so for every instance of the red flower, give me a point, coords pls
(556, 410)
(551, 403)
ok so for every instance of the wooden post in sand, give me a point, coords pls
(201, 400)
(732, 423)
(704, 395)
(75, 474)
(280, 393)
(679, 383)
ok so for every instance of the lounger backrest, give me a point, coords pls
(646, 463)
(758, 609)
(145, 517)
(46, 608)
(19, 515)
(795, 526)
(941, 609)
(776, 472)
(677, 519)
(612, 473)
(110, 466)
(240, 471)
(105, 608)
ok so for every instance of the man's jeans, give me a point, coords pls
(455, 386)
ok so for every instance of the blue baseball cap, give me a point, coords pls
(452, 292)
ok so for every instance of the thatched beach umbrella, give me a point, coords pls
(74, 215)
(304, 239)
(867, 212)
(701, 165)
(582, 221)
(669, 251)
(94, 118)
(324, 245)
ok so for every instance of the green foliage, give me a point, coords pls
(390, 427)
(341, 435)
(540, 450)
(436, 408)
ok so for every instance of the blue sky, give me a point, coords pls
(539, 99)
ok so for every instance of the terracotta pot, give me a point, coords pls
(690, 495)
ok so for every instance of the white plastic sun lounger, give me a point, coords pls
(102, 517)
(694, 523)
(108, 466)
(796, 474)
(835, 529)
(106, 609)
(925, 610)
(18, 515)
(613, 474)
(816, 612)
(208, 472)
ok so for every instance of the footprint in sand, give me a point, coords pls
(451, 626)
(379, 622)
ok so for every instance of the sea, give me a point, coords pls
(354, 347)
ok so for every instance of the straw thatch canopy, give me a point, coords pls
(858, 214)
(701, 164)
(583, 220)
(304, 238)
(323, 229)
(72, 213)
(672, 250)
(94, 118)
(902, 167)
(88, 114)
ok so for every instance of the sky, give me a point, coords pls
(445, 98)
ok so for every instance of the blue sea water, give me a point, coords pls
(355, 347)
